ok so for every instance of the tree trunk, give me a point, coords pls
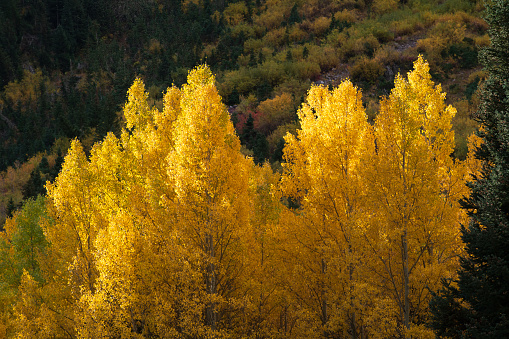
(211, 316)
(353, 327)
(324, 296)
(406, 283)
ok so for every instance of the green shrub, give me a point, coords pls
(366, 70)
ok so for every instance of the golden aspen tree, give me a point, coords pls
(174, 191)
(321, 174)
(210, 179)
(414, 188)
(152, 234)
(148, 284)
(260, 286)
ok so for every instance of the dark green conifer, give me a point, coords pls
(477, 304)
(289, 55)
(58, 166)
(305, 52)
(34, 185)
(11, 208)
(44, 165)
(294, 16)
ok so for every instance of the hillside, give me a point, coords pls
(66, 65)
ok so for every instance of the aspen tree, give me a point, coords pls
(210, 178)
(414, 188)
(148, 283)
(67, 267)
(21, 246)
(322, 175)
(261, 288)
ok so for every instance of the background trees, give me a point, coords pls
(266, 49)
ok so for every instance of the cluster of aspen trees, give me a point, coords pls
(169, 231)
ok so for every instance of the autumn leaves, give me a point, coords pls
(169, 231)
(378, 205)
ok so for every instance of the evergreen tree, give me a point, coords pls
(44, 165)
(294, 16)
(58, 165)
(11, 208)
(477, 304)
(254, 141)
(34, 185)
(249, 134)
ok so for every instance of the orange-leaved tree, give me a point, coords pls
(414, 188)
(209, 176)
(322, 175)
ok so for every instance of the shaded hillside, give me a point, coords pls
(65, 65)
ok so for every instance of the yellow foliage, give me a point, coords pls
(384, 6)
(482, 41)
(320, 25)
(346, 15)
(386, 55)
(245, 30)
(352, 47)
(441, 36)
(296, 34)
(373, 208)
(235, 13)
(406, 26)
(169, 231)
(472, 22)
(14, 178)
(36, 313)
(136, 110)
(325, 56)
(275, 112)
(275, 37)
(274, 14)
(305, 69)
(366, 69)
(414, 180)
(321, 173)
(252, 45)
(297, 87)
(25, 93)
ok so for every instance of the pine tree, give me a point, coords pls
(34, 185)
(477, 304)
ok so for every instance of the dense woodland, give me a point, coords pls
(66, 66)
(279, 169)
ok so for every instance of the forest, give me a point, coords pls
(66, 66)
(254, 169)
